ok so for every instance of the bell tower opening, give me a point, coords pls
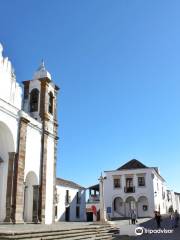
(51, 103)
(34, 100)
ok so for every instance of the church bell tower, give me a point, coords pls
(40, 102)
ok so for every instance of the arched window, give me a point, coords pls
(34, 99)
(51, 99)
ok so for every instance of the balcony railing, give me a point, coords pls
(93, 198)
(129, 189)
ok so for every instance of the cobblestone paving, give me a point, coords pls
(165, 224)
(127, 229)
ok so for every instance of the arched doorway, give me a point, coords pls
(143, 208)
(130, 205)
(118, 207)
(31, 192)
(6, 147)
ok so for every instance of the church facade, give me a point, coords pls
(28, 141)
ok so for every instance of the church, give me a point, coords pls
(28, 142)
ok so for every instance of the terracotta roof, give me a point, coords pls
(132, 164)
(67, 183)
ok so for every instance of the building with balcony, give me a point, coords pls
(135, 186)
(70, 201)
(93, 203)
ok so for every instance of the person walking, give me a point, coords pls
(130, 219)
(172, 220)
(133, 217)
(176, 219)
(158, 219)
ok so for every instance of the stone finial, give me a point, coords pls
(42, 72)
(42, 66)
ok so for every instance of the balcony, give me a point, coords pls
(93, 198)
(129, 189)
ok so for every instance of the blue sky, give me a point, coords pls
(118, 66)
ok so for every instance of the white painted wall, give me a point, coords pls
(174, 201)
(33, 151)
(159, 187)
(11, 91)
(9, 121)
(61, 194)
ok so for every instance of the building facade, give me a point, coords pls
(70, 201)
(28, 140)
(93, 203)
(135, 186)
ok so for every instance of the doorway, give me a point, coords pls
(31, 197)
(67, 214)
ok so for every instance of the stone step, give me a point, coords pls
(22, 235)
(99, 232)
(87, 236)
(70, 235)
(32, 232)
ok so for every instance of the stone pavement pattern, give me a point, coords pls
(127, 229)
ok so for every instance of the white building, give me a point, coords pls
(70, 201)
(135, 186)
(28, 139)
(93, 203)
(173, 200)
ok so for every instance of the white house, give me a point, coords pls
(28, 139)
(134, 186)
(70, 201)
